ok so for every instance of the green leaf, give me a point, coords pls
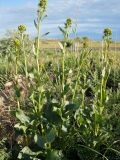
(27, 151)
(62, 30)
(36, 26)
(40, 141)
(51, 114)
(61, 46)
(51, 135)
(45, 34)
(45, 16)
(22, 117)
(64, 128)
(71, 107)
(20, 127)
(4, 155)
(103, 72)
(74, 30)
(54, 155)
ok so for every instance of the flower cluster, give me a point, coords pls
(22, 28)
(16, 42)
(43, 4)
(68, 23)
(107, 37)
(107, 32)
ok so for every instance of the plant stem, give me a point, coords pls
(38, 43)
(25, 59)
(63, 72)
(16, 62)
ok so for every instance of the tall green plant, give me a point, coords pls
(17, 45)
(22, 29)
(66, 32)
(41, 16)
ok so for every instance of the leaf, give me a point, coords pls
(52, 114)
(103, 72)
(71, 107)
(74, 30)
(39, 140)
(64, 128)
(36, 26)
(4, 155)
(54, 155)
(45, 34)
(21, 127)
(62, 30)
(48, 138)
(27, 151)
(51, 135)
(61, 46)
(45, 16)
(22, 117)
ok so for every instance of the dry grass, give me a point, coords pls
(53, 44)
(49, 44)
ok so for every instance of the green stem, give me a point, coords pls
(82, 58)
(83, 99)
(25, 58)
(16, 62)
(63, 73)
(38, 43)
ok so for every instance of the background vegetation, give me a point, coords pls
(57, 102)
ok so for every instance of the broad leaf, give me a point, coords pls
(40, 141)
(27, 151)
(54, 155)
(50, 137)
(22, 117)
(20, 127)
(71, 107)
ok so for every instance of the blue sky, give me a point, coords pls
(91, 16)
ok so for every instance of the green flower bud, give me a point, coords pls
(22, 28)
(107, 32)
(43, 4)
(68, 23)
(16, 42)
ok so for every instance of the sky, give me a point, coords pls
(89, 16)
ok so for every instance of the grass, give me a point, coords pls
(47, 88)
(53, 44)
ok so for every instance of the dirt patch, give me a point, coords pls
(9, 101)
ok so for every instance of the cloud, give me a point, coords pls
(91, 16)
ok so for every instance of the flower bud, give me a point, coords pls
(107, 32)
(16, 42)
(22, 28)
(43, 4)
(68, 23)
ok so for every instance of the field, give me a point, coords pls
(53, 43)
(59, 99)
